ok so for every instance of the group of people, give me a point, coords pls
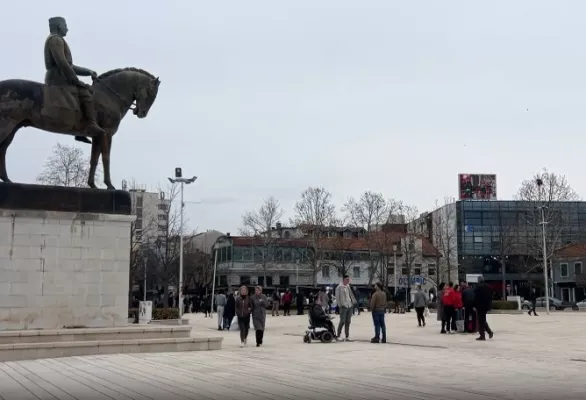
(456, 305)
(461, 304)
(285, 300)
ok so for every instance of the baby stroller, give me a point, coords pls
(320, 326)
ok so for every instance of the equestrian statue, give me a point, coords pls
(66, 105)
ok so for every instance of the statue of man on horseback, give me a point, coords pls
(67, 106)
(61, 71)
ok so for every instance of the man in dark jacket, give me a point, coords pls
(469, 314)
(483, 304)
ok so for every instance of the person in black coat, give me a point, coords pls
(229, 311)
(483, 304)
(469, 314)
(300, 299)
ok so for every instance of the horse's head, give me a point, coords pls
(145, 96)
(132, 85)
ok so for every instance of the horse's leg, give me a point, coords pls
(7, 134)
(95, 156)
(106, 147)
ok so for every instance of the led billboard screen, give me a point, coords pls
(477, 186)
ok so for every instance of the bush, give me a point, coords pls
(504, 305)
(158, 313)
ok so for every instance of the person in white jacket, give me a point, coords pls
(346, 301)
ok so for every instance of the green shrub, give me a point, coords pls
(504, 305)
(158, 313)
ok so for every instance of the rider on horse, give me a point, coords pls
(62, 72)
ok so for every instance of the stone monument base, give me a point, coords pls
(61, 268)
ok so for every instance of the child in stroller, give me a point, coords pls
(320, 327)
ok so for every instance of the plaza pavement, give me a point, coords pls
(529, 357)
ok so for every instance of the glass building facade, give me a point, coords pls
(489, 230)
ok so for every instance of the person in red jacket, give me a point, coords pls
(287, 300)
(449, 302)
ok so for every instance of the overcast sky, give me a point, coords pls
(262, 98)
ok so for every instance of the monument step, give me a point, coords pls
(90, 334)
(31, 351)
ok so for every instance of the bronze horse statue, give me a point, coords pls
(56, 109)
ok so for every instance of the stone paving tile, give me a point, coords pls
(530, 357)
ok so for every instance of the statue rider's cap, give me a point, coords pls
(56, 20)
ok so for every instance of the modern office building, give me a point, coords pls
(480, 234)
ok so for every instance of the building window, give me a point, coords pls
(269, 282)
(244, 280)
(284, 280)
(287, 235)
(162, 217)
(237, 253)
(411, 246)
(417, 269)
(564, 270)
(162, 206)
(223, 281)
(431, 270)
(138, 224)
(325, 271)
(391, 269)
(139, 201)
(356, 272)
(404, 271)
(578, 268)
(247, 254)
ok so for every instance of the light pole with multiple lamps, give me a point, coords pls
(395, 269)
(183, 181)
(539, 183)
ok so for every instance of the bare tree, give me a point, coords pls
(411, 245)
(445, 239)
(312, 214)
(544, 199)
(504, 240)
(67, 166)
(340, 254)
(370, 212)
(166, 245)
(198, 268)
(140, 229)
(259, 224)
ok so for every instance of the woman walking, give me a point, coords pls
(243, 310)
(259, 313)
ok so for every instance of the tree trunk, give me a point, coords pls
(165, 282)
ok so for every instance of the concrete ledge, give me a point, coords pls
(30, 351)
(507, 312)
(169, 322)
(82, 335)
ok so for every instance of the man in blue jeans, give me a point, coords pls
(378, 305)
(346, 301)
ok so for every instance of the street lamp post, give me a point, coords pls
(539, 183)
(297, 276)
(183, 181)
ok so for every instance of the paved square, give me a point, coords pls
(529, 357)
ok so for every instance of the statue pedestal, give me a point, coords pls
(64, 257)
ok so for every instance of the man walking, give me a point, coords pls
(419, 303)
(276, 302)
(346, 301)
(220, 304)
(483, 304)
(533, 300)
(469, 314)
(378, 305)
